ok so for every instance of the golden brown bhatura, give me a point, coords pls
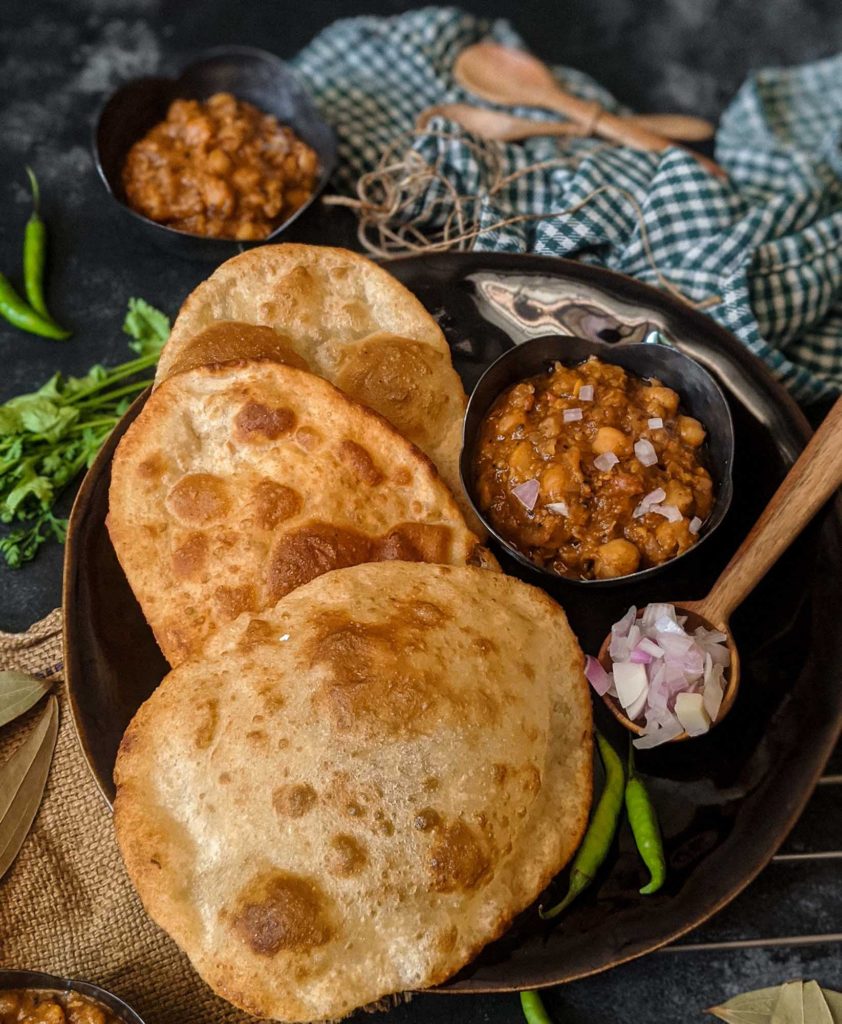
(355, 791)
(240, 481)
(344, 318)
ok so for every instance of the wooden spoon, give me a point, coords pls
(517, 79)
(807, 486)
(499, 126)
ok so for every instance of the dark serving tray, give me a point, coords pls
(726, 801)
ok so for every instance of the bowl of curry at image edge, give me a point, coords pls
(51, 984)
(699, 396)
(249, 74)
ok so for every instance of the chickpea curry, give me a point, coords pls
(592, 472)
(221, 168)
(33, 1006)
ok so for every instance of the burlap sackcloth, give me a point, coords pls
(66, 904)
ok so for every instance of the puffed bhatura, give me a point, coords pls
(342, 317)
(239, 482)
(357, 790)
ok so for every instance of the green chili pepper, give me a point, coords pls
(533, 1009)
(645, 829)
(35, 252)
(18, 313)
(600, 834)
(35, 256)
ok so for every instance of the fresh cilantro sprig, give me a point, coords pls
(49, 436)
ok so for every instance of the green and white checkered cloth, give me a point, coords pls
(768, 242)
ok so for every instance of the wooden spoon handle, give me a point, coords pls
(618, 129)
(807, 486)
(675, 126)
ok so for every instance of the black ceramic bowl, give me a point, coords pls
(52, 983)
(247, 73)
(700, 396)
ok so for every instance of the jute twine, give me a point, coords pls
(403, 182)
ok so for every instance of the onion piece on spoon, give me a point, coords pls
(667, 680)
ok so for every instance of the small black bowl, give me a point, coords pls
(37, 981)
(700, 396)
(248, 74)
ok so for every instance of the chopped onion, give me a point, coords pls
(648, 500)
(585, 393)
(645, 452)
(527, 493)
(571, 415)
(650, 647)
(606, 462)
(659, 734)
(669, 512)
(656, 423)
(666, 679)
(695, 524)
(597, 676)
(631, 682)
(558, 508)
(690, 711)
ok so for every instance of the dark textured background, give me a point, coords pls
(57, 60)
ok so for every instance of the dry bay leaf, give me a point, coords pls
(834, 1004)
(792, 1003)
(748, 1007)
(789, 1009)
(18, 693)
(816, 1010)
(22, 781)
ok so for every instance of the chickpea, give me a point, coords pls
(691, 431)
(83, 1012)
(198, 131)
(307, 161)
(609, 439)
(679, 495)
(218, 162)
(522, 460)
(47, 1013)
(522, 396)
(617, 557)
(673, 538)
(297, 197)
(248, 231)
(659, 400)
(551, 425)
(555, 482)
(510, 420)
(218, 196)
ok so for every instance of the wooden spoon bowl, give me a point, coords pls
(812, 480)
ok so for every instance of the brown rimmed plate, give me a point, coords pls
(726, 800)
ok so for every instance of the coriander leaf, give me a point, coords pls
(31, 484)
(21, 545)
(52, 388)
(42, 416)
(9, 421)
(149, 327)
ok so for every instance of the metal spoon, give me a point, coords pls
(811, 481)
(499, 126)
(517, 79)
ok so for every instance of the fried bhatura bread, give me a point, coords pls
(239, 482)
(319, 297)
(357, 790)
(410, 383)
(344, 318)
